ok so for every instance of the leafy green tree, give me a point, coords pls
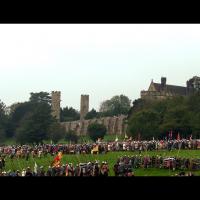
(18, 112)
(35, 127)
(3, 122)
(40, 97)
(92, 114)
(96, 131)
(56, 132)
(69, 114)
(35, 119)
(177, 119)
(115, 106)
(71, 136)
(145, 123)
(179, 114)
(2, 135)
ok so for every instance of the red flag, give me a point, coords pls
(178, 136)
(57, 159)
(171, 135)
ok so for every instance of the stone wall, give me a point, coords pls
(156, 95)
(84, 106)
(114, 125)
(55, 104)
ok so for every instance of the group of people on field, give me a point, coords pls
(123, 167)
(82, 169)
(126, 163)
(25, 151)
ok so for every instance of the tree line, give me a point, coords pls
(32, 122)
(156, 118)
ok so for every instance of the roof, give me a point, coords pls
(179, 90)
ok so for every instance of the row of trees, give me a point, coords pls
(32, 121)
(157, 118)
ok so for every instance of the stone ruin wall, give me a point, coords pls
(114, 125)
(84, 106)
(55, 104)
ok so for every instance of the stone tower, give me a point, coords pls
(55, 104)
(84, 106)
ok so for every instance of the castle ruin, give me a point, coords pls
(114, 125)
(55, 104)
(84, 106)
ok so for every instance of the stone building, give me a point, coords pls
(84, 106)
(163, 90)
(55, 104)
(114, 125)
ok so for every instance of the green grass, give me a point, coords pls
(110, 157)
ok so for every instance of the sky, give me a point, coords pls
(101, 60)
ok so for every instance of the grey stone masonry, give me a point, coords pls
(114, 125)
(84, 107)
(55, 104)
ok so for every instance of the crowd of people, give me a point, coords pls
(123, 167)
(125, 164)
(25, 151)
(82, 169)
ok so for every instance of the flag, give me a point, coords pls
(153, 138)
(178, 136)
(35, 168)
(57, 159)
(171, 135)
(116, 139)
(95, 149)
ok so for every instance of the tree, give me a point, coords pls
(69, 114)
(179, 114)
(96, 131)
(92, 114)
(177, 119)
(3, 122)
(35, 119)
(56, 132)
(115, 106)
(145, 123)
(71, 136)
(18, 112)
(40, 97)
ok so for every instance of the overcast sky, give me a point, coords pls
(101, 60)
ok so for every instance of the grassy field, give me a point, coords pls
(110, 157)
